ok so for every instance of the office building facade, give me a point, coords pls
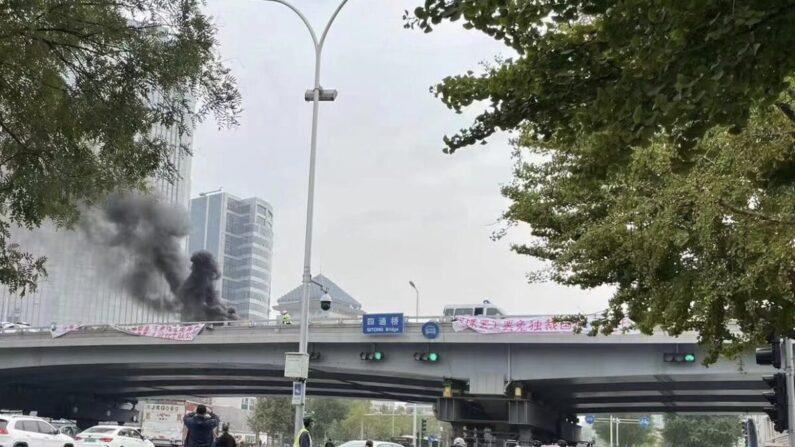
(239, 233)
(78, 288)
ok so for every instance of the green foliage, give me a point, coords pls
(629, 434)
(619, 70)
(273, 415)
(366, 422)
(82, 86)
(701, 431)
(656, 153)
(328, 413)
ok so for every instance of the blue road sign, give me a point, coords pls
(644, 421)
(430, 330)
(589, 419)
(298, 392)
(382, 324)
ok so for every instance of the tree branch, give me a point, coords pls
(756, 214)
(786, 109)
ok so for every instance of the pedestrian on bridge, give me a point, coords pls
(200, 427)
(303, 438)
(286, 318)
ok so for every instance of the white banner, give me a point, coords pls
(57, 330)
(168, 331)
(542, 324)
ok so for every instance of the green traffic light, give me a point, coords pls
(690, 358)
(377, 355)
(432, 356)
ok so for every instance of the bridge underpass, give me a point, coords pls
(92, 373)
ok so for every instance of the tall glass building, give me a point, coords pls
(239, 232)
(78, 287)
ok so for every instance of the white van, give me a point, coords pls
(485, 309)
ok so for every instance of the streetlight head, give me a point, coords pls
(323, 95)
(411, 283)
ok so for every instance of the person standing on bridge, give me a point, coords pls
(303, 438)
(286, 318)
(200, 428)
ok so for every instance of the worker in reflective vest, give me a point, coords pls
(303, 438)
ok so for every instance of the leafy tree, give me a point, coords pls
(629, 434)
(82, 85)
(328, 413)
(655, 152)
(274, 416)
(701, 431)
(364, 420)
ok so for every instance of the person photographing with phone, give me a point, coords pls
(200, 428)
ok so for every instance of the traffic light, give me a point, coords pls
(679, 357)
(770, 354)
(375, 356)
(431, 357)
(778, 397)
(424, 426)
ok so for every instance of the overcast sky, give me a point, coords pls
(390, 206)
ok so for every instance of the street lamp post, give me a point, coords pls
(415, 442)
(316, 95)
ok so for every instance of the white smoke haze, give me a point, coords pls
(147, 233)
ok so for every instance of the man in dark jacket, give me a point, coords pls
(200, 426)
(225, 440)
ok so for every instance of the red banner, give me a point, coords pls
(180, 332)
(538, 325)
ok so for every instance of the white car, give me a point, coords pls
(30, 431)
(375, 444)
(112, 436)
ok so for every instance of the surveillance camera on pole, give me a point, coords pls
(325, 301)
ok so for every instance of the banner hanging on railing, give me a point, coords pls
(537, 325)
(58, 330)
(178, 332)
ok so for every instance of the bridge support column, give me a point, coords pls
(506, 421)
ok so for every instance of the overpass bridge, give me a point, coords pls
(559, 374)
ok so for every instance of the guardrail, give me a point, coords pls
(271, 323)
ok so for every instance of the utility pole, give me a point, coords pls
(315, 95)
(788, 364)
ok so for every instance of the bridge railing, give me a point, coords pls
(243, 324)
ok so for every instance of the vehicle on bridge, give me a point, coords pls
(112, 436)
(484, 309)
(29, 431)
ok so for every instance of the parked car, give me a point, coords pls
(112, 436)
(166, 443)
(30, 431)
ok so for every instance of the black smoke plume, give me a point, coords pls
(201, 283)
(148, 233)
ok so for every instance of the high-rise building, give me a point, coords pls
(77, 288)
(239, 233)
